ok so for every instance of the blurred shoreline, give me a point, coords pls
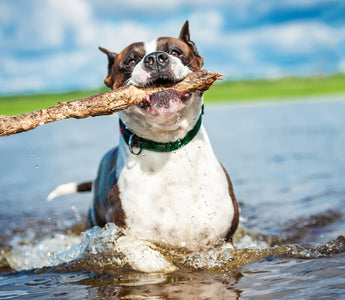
(226, 91)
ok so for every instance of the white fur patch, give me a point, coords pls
(179, 198)
(151, 46)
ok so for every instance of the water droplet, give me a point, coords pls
(36, 166)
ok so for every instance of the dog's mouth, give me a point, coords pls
(168, 100)
(165, 100)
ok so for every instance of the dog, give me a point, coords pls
(163, 182)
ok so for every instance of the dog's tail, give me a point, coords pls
(70, 188)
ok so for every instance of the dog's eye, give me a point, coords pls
(175, 52)
(131, 62)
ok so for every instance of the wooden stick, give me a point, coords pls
(101, 104)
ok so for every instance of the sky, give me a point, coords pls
(52, 45)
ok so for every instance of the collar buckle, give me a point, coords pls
(130, 145)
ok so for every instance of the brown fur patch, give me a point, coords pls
(122, 70)
(84, 187)
(115, 214)
(236, 218)
(188, 55)
(114, 210)
(107, 209)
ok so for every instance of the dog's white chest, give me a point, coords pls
(180, 198)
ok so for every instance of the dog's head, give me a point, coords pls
(164, 116)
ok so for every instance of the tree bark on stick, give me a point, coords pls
(101, 104)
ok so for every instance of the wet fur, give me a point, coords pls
(182, 198)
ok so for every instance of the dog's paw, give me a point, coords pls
(228, 246)
(142, 256)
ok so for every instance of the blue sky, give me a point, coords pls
(51, 45)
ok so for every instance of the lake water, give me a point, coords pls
(287, 164)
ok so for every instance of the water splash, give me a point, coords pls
(97, 248)
(59, 248)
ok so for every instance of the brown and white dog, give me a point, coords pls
(163, 183)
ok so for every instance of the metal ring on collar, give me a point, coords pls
(130, 145)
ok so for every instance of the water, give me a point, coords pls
(287, 165)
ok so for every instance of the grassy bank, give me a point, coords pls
(17, 104)
(222, 91)
(277, 89)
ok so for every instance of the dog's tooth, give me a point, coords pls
(148, 99)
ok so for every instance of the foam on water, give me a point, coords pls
(60, 248)
(50, 251)
(101, 247)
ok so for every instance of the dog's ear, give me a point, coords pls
(109, 81)
(184, 33)
(185, 36)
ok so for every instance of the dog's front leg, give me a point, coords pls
(142, 255)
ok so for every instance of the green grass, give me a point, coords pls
(276, 89)
(244, 90)
(18, 104)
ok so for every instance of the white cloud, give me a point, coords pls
(292, 37)
(206, 26)
(53, 43)
(292, 48)
(341, 66)
(300, 37)
(117, 7)
(45, 25)
(118, 36)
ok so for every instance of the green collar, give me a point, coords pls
(133, 140)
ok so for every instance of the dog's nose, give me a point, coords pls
(156, 60)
